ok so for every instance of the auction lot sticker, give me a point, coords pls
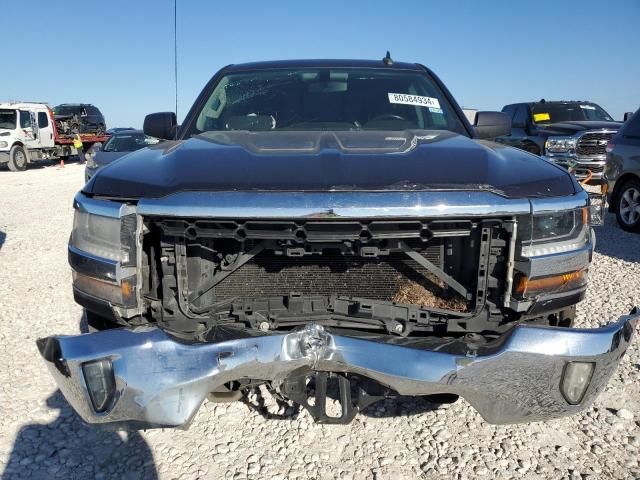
(407, 99)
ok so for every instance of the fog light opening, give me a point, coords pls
(101, 384)
(575, 381)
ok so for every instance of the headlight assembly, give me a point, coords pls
(103, 251)
(560, 144)
(4, 144)
(108, 237)
(97, 235)
(555, 232)
(91, 163)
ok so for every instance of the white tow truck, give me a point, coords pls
(28, 134)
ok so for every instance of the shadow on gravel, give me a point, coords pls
(84, 323)
(68, 448)
(3, 237)
(614, 242)
(275, 408)
(406, 406)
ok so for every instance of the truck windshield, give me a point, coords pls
(327, 99)
(128, 143)
(8, 119)
(568, 112)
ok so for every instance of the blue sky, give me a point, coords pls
(118, 54)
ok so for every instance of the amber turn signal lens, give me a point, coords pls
(585, 216)
(127, 289)
(553, 283)
(123, 293)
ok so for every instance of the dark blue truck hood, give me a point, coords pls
(330, 161)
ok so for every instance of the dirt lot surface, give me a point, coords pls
(43, 438)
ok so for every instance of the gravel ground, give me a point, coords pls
(410, 438)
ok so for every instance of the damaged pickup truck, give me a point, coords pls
(334, 231)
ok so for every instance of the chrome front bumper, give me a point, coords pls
(161, 382)
(581, 165)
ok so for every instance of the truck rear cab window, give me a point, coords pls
(43, 119)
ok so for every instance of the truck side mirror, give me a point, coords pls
(490, 125)
(627, 116)
(160, 125)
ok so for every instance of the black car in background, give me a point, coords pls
(573, 134)
(118, 145)
(622, 174)
(72, 118)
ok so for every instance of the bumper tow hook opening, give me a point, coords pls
(353, 394)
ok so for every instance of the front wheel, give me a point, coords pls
(17, 159)
(628, 211)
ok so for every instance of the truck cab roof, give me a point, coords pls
(320, 63)
(24, 105)
(75, 105)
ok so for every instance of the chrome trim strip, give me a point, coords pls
(585, 160)
(555, 204)
(92, 265)
(525, 305)
(161, 382)
(511, 262)
(353, 204)
(542, 298)
(557, 263)
(104, 208)
(579, 135)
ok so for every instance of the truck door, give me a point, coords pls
(509, 111)
(46, 130)
(518, 135)
(28, 129)
(524, 133)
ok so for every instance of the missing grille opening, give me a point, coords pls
(357, 274)
(416, 294)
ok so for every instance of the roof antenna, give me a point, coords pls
(175, 51)
(387, 60)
